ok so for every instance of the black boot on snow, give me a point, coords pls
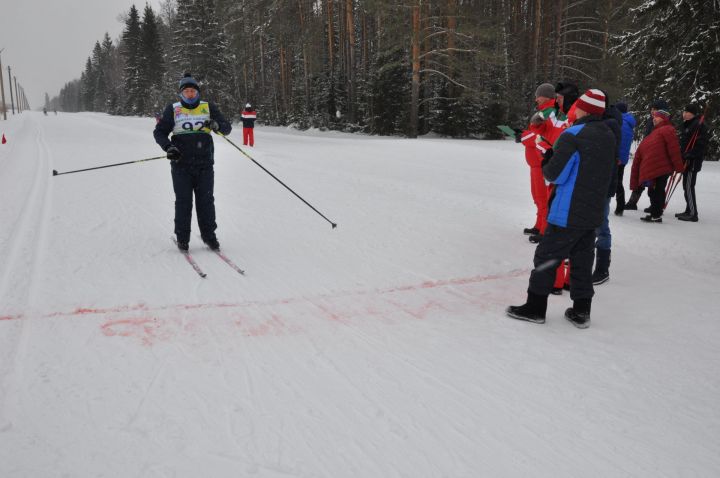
(579, 313)
(535, 238)
(529, 231)
(531, 311)
(212, 243)
(602, 266)
(183, 245)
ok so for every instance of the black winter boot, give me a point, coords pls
(579, 313)
(212, 243)
(602, 266)
(183, 246)
(631, 205)
(531, 311)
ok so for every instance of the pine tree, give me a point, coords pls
(672, 53)
(130, 53)
(152, 64)
(201, 48)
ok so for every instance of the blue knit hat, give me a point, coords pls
(188, 81)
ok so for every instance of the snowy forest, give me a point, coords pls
(452, 67)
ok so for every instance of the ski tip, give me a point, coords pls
(333, 225)
(55, 173)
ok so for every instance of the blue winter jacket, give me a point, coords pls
(628, 125)
(581, 169)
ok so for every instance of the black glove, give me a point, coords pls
(212, 124)
(173, 154)
(546, 156)
(518, 135)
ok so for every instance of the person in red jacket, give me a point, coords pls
(545, 101)
(248, 117)
(657, 156)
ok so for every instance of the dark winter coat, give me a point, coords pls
(628, 127)
(694, 156)
(649, 126)
(657, 155)
(190, 137)
(581, 169)
(613, 119)
(248, 118)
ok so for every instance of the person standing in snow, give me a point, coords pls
(545, 101)
(627, 133)
(692, 152)
(248, 118)
(656, 157)
(603, 244)
(658, 104)
(191, 154)
(581, 168)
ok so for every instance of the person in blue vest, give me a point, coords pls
(628, 131)
(190, 150)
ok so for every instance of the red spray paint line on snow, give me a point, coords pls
(3, 139)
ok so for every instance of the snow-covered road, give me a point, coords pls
(378, 349)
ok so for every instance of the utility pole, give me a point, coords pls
(17, 97)
(12, 102)
(2, 88)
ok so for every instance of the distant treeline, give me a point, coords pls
(452, 67)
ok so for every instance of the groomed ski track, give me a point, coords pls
(378, 349)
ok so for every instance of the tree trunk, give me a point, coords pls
(415, 87)
(351, 59)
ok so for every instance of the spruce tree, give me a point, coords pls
(131, 55)
(201, 48)
(672, 53)
(152, 65)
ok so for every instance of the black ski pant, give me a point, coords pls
(689, 179)
(557, 244)
(200, 181)
(620, 191)
(657, 195)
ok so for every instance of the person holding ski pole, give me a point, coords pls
(580, 167)
(693, 140)
(191, 154)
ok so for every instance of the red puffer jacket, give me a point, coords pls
(657, 155)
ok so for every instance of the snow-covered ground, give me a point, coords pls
(378, 349)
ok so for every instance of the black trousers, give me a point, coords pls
(689, 179)
(557, 244)
(620, 191)
(657, 195)
(198, 181)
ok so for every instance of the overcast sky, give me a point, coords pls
(47, 42)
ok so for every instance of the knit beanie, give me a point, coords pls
(659, 104)
(592, 102)
(662, 114)
(546, 90)
(692, 108)
(621, 107)
(188, 81)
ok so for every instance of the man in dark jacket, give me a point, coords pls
(581, 169)
(693, 141)
(191, 155)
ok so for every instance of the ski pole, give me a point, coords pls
(55, 173)
(334, 225)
